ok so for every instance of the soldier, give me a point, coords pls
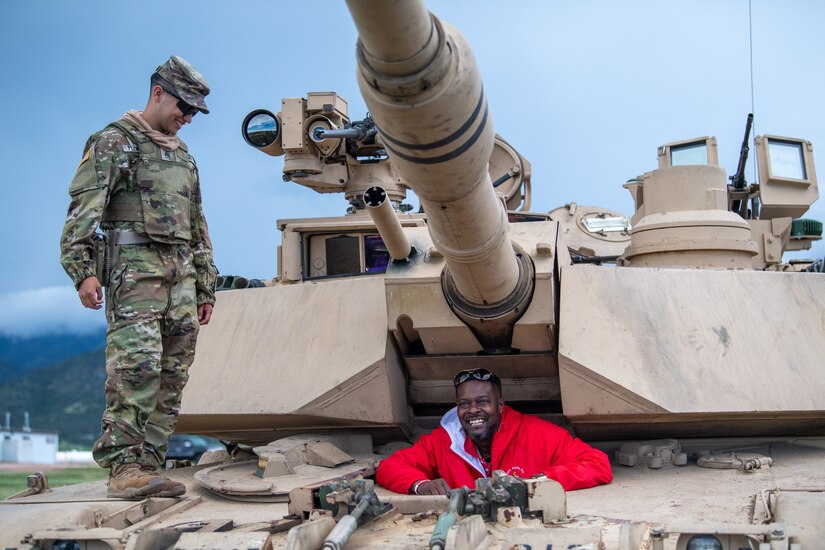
(138, 182)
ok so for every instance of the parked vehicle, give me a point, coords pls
(191, 447)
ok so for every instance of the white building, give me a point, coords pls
(26, 446)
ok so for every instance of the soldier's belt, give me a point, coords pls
(120, 237)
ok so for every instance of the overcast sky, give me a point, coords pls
(586, 90)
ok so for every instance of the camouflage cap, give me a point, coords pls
(189, 85)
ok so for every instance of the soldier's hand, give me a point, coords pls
(434, 487)
(204, 313)
(91, 293)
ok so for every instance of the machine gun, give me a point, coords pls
(738, 182)
(503, 499)
(360, 139)
(353, 504)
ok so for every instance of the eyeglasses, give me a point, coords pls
(476, 374)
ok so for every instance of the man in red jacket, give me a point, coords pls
(482, 434)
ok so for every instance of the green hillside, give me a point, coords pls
(66, 397)
(19, 355)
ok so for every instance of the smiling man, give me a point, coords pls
(482, 434)
(138, 183)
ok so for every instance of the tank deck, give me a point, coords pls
(687, 494)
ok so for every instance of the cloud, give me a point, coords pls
(51, 310)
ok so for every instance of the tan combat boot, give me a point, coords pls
(169, 488)
(130, 481)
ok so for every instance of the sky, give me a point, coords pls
(585, 90)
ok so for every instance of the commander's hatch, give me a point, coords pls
(787, 177)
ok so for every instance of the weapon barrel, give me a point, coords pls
(341, 533)
(422, 86)
(386, 221)
(319, 134)
(739, 178)
(447, 519)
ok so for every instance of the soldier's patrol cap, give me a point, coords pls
(186, 82)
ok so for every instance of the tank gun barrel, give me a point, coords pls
(422, 86)
(396, 36)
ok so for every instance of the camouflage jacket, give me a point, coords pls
(109, 167)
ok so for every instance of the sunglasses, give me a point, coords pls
(482, 375)
(186, 109)
(183, 107)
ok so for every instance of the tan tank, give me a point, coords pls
(676, 340)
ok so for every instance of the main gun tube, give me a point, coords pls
(423, 88)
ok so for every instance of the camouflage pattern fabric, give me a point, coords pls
(103, 170)
(153, 295)
(189, 85)
(108, 169)
(165, 184)
(152, 329)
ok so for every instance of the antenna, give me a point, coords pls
(753, 102)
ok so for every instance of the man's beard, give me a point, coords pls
(488, 432)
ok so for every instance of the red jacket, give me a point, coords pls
(523, 446)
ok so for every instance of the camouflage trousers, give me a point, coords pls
(152, 318)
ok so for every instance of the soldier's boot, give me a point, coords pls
(130, 481)
(169, 488)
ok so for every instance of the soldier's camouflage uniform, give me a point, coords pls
(125, 181)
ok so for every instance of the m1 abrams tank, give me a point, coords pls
(676, 340)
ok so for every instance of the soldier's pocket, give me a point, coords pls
(187, 261)
(113, 288)
(137, 284)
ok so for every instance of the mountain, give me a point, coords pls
(66, 397)
(19, 355)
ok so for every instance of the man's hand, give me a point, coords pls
(204, 313)
(434, 487)
(90, 293)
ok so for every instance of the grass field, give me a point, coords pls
(15, 481)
